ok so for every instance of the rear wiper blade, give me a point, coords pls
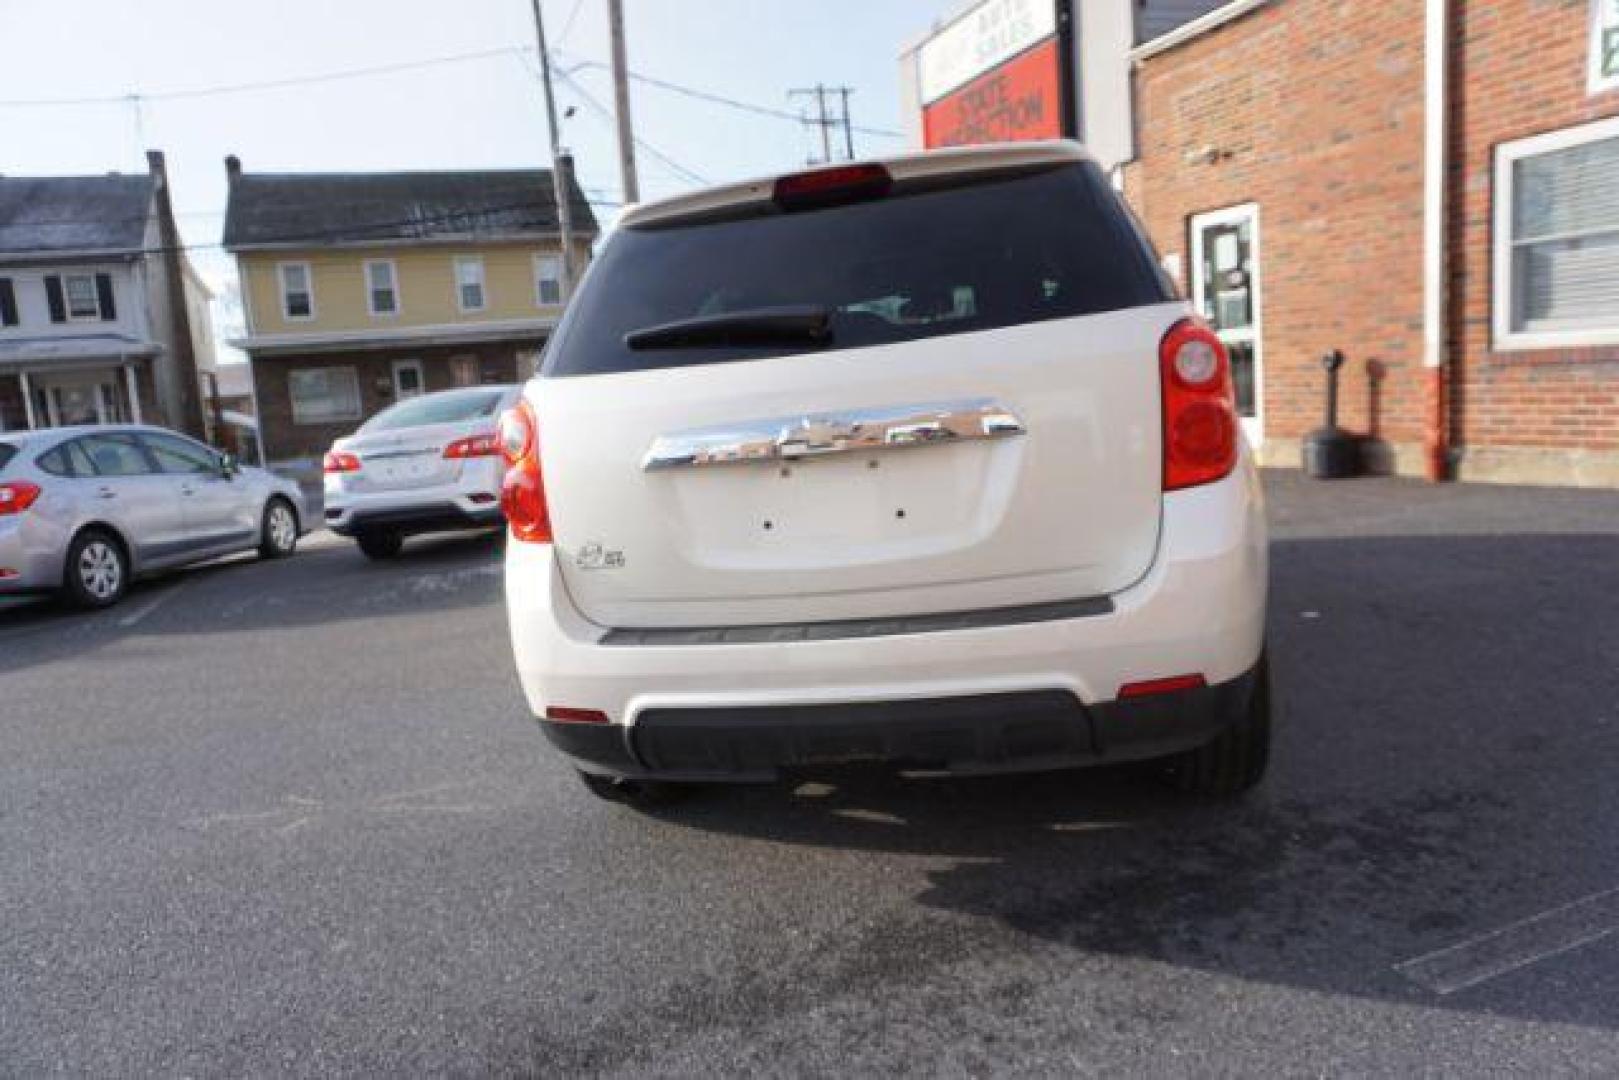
(802, 324)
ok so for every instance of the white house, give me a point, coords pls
(102, 318)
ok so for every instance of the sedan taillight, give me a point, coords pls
(17, 496)
(522, 492)
(474, 447)
(338, 461)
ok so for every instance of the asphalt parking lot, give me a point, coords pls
(289, 817)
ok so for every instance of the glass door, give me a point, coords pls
(408, 381)
(1225, 288)
(69, 401)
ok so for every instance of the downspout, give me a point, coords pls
(1435, 284)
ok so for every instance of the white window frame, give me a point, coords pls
(483, 283)
(1597, 82)
(281, 269)
(1504, 337)
(303, 421)
(399, 366)
(371, 290)
(67, 298)
(542, 263)
(1252, 426)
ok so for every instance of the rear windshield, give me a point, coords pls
(1017, 247)
(449, 407)
(7, 452)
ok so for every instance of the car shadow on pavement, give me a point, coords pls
(1447, 731)
(326, 582)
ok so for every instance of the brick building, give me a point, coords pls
(1430, 186)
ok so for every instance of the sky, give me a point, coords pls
(478, 111)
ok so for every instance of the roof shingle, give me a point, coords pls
(62, 214)
(352, 208)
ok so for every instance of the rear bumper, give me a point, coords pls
(31, 555)
(472, 500)
(1023, 695)
(409, 520)
(963, 736)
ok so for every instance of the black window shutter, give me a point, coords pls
(53, 297)
(104, 294)
(8, 303)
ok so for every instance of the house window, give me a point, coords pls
(381, 287)
(297, 291)
(324, 395)
(548, 279)
(469, 282)
(82, 301)
(1604, 45)
(1557, 239)
(8, 303)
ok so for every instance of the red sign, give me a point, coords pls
(1020, 100)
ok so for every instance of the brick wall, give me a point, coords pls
(1315, 107)
(285, 440)
(1519, 69)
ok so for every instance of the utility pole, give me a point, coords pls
(848, 128)
(825, 122)
(621, 104)
(561, 162)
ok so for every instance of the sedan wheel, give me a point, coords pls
(97, 571)
(280, 535)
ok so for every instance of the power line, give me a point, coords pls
(567, 24)
(412, 65)
(566, 75)
(729, 102)
(606, 114)
(267, 84)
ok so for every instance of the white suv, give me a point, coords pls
(919, 462)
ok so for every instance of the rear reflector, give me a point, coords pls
(830, 187)
(339, 462)
(1161, 686)
(6, 573)
(17, 496)
(563, 714)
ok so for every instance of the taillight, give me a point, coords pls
(832, 187)
(476, 446)
(17, 496)
(522, 492)
(1200, 415)
(337, 461)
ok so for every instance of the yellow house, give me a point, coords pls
(362, 289)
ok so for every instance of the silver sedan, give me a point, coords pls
(86, 510)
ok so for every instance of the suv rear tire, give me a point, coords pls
(380, 545)
(1235, 761)
(96, 574)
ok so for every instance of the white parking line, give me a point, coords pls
(151, 605)
(1516, 945)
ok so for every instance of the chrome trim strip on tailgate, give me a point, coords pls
(861, 628)
(792, 438)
